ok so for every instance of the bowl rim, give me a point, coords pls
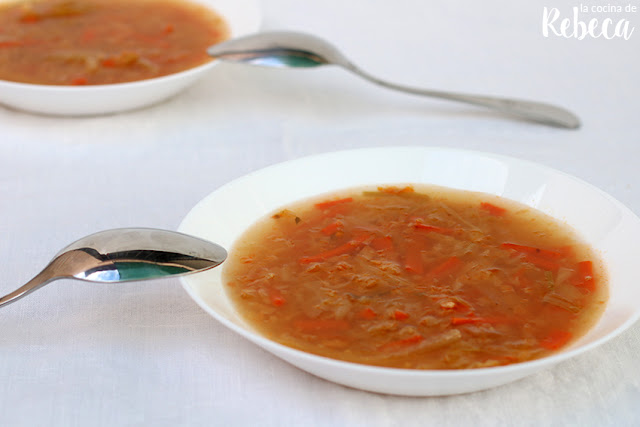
(530, 365)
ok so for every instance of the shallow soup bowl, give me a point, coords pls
(242, 16)
(601, 221)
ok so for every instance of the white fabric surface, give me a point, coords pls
(74, 354)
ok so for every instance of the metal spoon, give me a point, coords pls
(124, 255)
(292, 49)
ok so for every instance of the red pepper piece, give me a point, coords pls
(433, 228)
(400, 315)
(331, 203)
(340, 250)
(332, 228)
(79, 81)
(493, 209)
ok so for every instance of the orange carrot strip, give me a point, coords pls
(335, 210)
(108, 62)
(340, 250)
(368, 313)
(433, 228)
(584, 276)
(278, 301)
(493, 209)
(29, 17)
(331, 210)
(556, 340)
(276, 298)
(331, 228)
(11, 43)
(330, 203)
(79, 81)
(318, 325)
(396, 190)
(400, 315)
(446, 266)
(413, 257)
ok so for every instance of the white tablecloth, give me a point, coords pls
(75, 354)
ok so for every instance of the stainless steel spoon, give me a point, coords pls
(292, 49)
(124, 255)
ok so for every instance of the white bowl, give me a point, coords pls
(602, 221)
(243, 17)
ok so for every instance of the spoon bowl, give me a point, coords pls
(300, 50)
(124, 255)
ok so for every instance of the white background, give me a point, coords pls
(145, 354)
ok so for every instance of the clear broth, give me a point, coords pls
(416, 277)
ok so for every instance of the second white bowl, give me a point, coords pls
(243, 17)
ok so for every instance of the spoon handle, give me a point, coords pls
(536, 111)
(34, 284)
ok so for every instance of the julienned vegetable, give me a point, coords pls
(90, 42)
(425, 279)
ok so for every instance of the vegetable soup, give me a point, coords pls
(92, 42)
(416, 277)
